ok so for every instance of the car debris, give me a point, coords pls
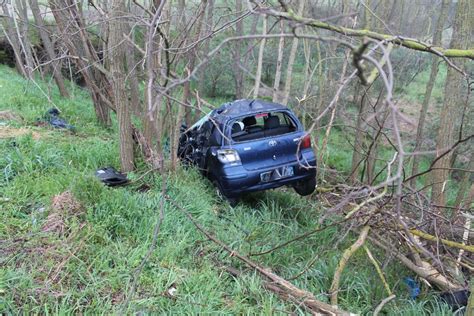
(111, 177)
(52, 117)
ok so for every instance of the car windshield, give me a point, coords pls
(262, 125)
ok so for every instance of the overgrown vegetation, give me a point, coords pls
(88, 265)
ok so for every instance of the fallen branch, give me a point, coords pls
(446, 242)
(378, 269)
(382, 304)
(291, 292)
(342, 263)
(426, 271)
(398, 40)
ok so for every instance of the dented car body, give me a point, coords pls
(251, 145)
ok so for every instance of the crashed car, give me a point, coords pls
(250, 145)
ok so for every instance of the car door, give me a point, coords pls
(269, 151)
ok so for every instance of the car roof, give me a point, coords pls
(247, 106)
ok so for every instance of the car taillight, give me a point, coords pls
(306, 142)
(228, 155)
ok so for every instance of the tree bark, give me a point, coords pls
(361, 95)
(276, 83)
(206, 45)
(182, 110)
(258, 75)
(238, 73)
(291, 60)
(22, 30)
(48, 46)
(437, 36)
(192, 62)
(464, 184)
(72, 32)
(11, 32)
(456, 93)
(117, 60)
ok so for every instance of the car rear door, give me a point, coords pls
(267, 151)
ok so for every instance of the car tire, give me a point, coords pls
(220, 194)
(305, 187)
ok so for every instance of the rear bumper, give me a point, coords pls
(237, 180)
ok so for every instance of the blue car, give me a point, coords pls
(250, 145)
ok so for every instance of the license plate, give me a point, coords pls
(279, 173)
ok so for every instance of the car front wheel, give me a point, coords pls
(305, 187)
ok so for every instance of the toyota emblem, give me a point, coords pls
(272, 143)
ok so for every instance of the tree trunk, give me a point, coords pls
(238, 73)
(464, 184)
(48, 46)
(191, 57)
(11, 33)
(135, 102)
(359, 138)
(72, 32)
(182, 110)
(117, 61)
(361, 95)
(206, 45)
(437, 36)
(258, 75)
(22, 30)
(276, 83)
(456, 92)
(291, 60)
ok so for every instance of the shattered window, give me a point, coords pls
(262, 125)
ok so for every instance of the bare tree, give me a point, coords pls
(437, 36)
(73, 34)
(49, 48)
(205, 49)
(11, 31)
(238, 73)
(117, 60)
(258, 75)
(276, 83)
(455, 94)
(291, 60)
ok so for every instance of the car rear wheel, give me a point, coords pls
(305, 187)
(220, 193)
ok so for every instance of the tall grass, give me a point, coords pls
(89, 268)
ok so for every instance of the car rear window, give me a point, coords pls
(262, 125)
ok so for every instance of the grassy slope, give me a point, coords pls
(89, 268)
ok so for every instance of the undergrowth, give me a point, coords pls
(89, 267)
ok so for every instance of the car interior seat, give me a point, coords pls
(250, 123)
(272, 126)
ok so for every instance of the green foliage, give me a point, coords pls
(88, 268)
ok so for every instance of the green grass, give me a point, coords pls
(89, 267)
(415, 91)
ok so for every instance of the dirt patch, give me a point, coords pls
(12, 132)
(9, 116)
(63, 205)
